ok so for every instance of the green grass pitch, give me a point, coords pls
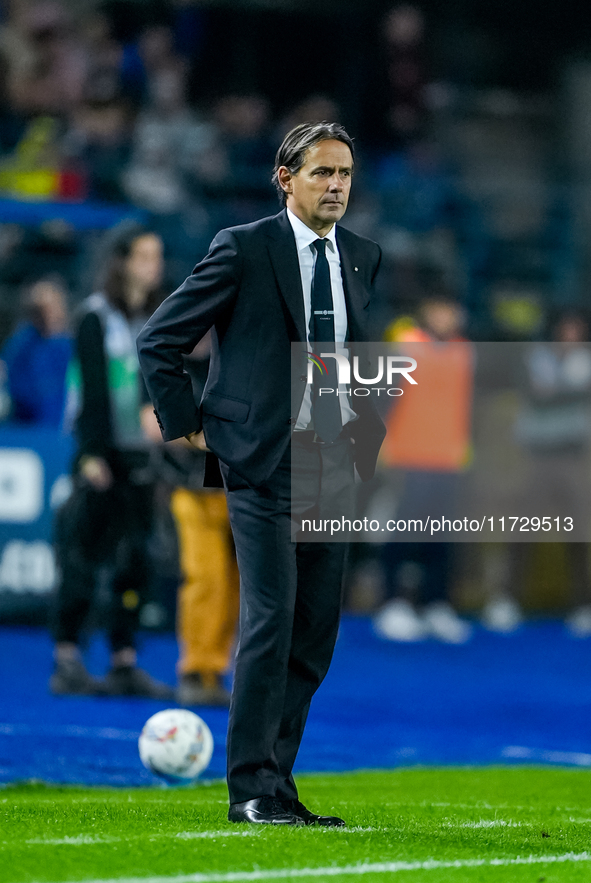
(419, 825)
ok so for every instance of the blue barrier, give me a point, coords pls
(34, 480)
(81, 216)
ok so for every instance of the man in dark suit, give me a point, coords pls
(261, 287)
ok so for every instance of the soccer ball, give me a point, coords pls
(176, 745)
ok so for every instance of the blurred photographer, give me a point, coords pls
(108, 518)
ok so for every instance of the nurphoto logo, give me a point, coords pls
(387, 368)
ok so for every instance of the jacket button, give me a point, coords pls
(303, 377)
(291, 421)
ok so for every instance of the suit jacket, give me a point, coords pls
(248, 290)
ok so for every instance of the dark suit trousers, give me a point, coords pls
(290, 600)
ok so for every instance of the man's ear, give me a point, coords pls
(284, 177)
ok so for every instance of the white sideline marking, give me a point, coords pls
(490, 823)
(89, 840)
(354, 870)
(73, 730)
(210, 835)
(80, 840)
(481, 805)
(501, 823)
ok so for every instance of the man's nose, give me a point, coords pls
(336, 182)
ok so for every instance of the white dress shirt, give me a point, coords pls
(307, 254)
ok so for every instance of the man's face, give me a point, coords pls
(318, 194)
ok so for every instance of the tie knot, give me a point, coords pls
(320, 245)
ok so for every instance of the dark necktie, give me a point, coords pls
(326, 410)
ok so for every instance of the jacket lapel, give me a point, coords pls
(286, 266)
(356, 295)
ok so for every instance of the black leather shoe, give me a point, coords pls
(262, 811)
(309, 818)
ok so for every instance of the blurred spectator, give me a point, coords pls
(440, 319)
(160, 59)
(36, 357)
(104, 58)
(46, 63)
(98, 142)
(416, 188)
(428, 441)
(169, 117)
(11, 123)
(394, 103)
(149, 58)
(108, 517)
(554, 427)
(404, 33)
(168, 141)
(235, 171)
(208, 598)
(420, 220)
(153, 179)
(32, 170)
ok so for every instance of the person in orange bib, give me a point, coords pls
(428, 441)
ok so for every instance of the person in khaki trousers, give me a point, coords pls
(208, 597)
(207, 609)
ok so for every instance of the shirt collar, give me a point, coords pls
(305, 237)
